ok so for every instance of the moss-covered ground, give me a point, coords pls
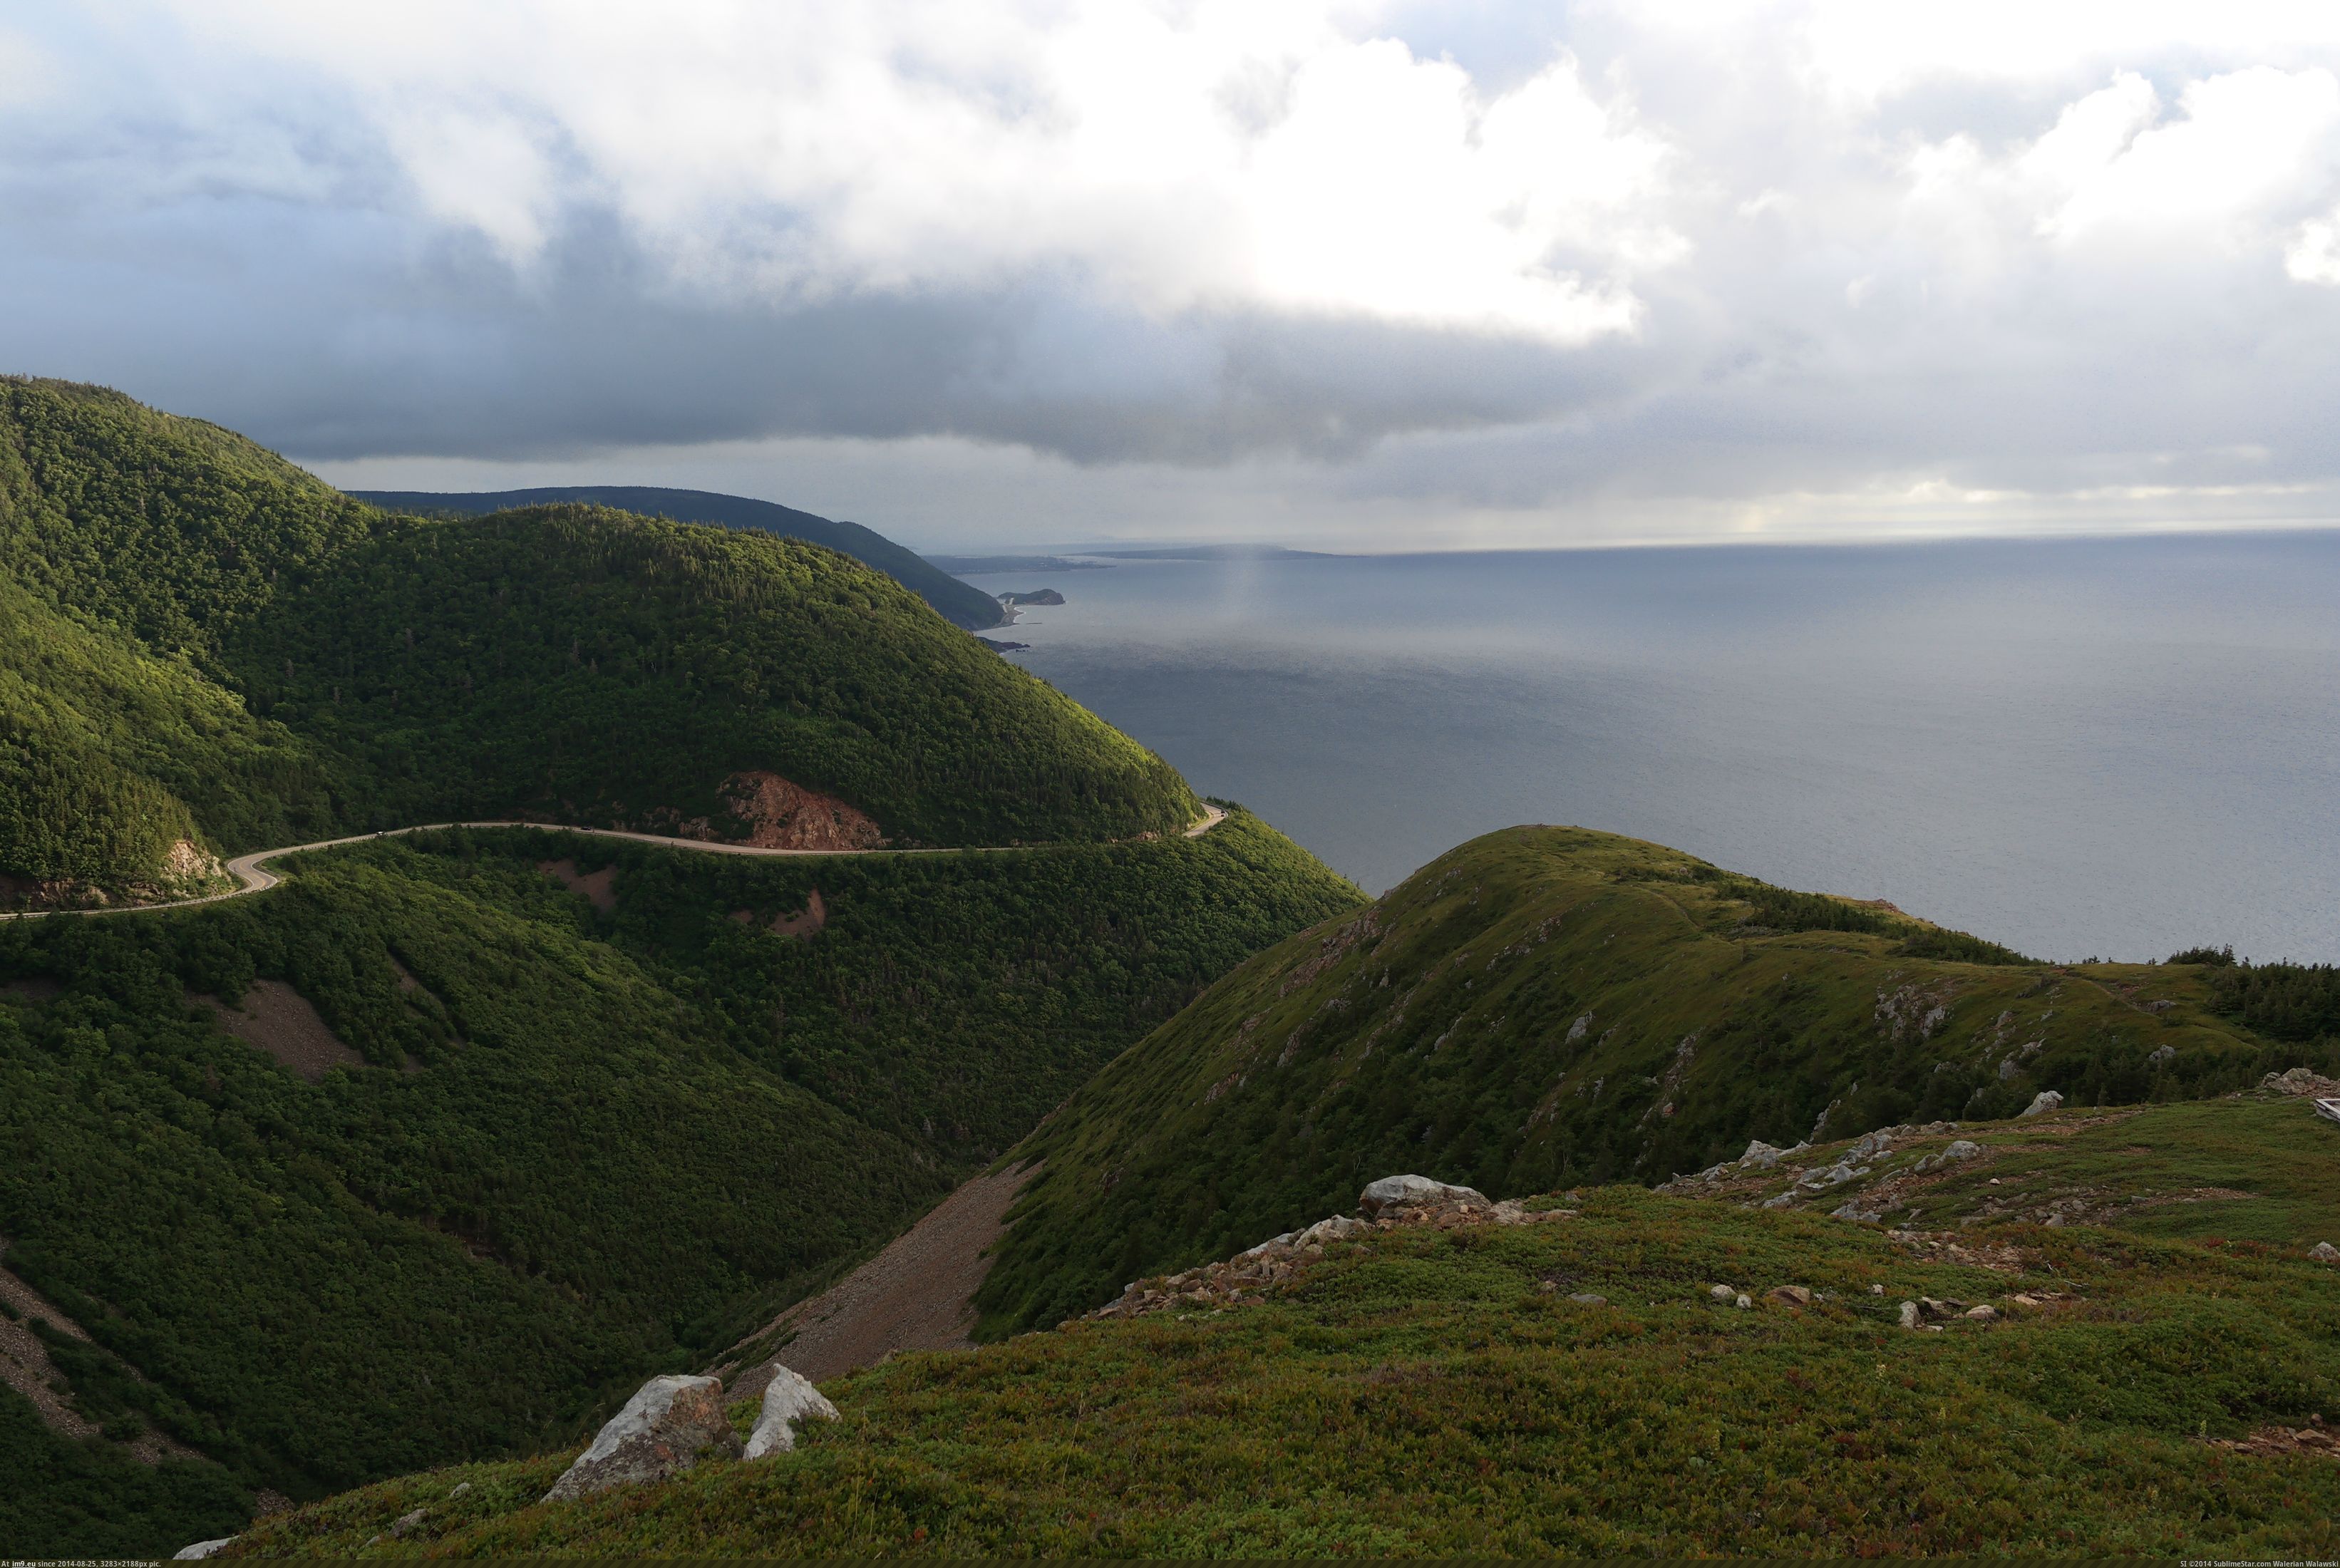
(1422, 1392)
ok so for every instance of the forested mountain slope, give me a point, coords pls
(959, 603)
(1548, 1004)
(321, 666)
(551, 1114)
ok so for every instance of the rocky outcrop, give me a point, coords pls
(2045, 1100)
(787, 1399)
(663, 1430)
(1393, 1195)
(1388, 1204)
(199, 1550)
(2300, 1081)
(781, 815)
(188, 862)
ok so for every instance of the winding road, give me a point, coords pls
(252, 869)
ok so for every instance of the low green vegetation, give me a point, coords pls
(586, 1145)
(2257, 1173)
(1547, 1006)
(1571, 1387)
(205, 642)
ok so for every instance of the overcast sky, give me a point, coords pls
(1348, 274)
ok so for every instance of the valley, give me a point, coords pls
(697, 961)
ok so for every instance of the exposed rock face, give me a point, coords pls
(597, 886)
(199, 1550)
(661, 1432)
(1393, 1194)
(2044, 1101)
(187, 863)
(787, 1399)
(785, 816)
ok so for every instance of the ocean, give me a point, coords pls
(2080, 748)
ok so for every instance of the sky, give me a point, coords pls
(1342, 275)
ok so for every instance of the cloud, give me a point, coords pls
(1497, 260)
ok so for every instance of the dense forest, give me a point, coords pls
(1543, 1006)
(587, 1143)
(207, 642)
(960, 603)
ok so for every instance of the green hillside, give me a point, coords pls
(1546, 1006)
(255, 659)
(570, 1147)
(1574, 1388)
(959, 603)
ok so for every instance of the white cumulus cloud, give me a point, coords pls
(1629, 260)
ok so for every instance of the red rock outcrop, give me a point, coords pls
(781, 815)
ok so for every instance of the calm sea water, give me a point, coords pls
(2076, 748)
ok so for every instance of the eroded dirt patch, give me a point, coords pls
(598, 886)
(917, 1295)
(25, 1366)
(2278, 1441)
(803, 923)
(281, 1021)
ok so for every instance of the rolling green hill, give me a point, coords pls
(956, 601)
(225, 648)
(2130, 1384)
(1548, 1004)
(566, 1146)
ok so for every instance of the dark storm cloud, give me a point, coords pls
(1518, 260)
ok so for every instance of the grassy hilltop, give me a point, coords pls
(1546, 1006)
(1572, 1386)
(205, 642)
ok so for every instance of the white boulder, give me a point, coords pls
(1394, 1193)
(199, 1550)
(788, 1398)
(2045, 1100)
(664, 1428)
